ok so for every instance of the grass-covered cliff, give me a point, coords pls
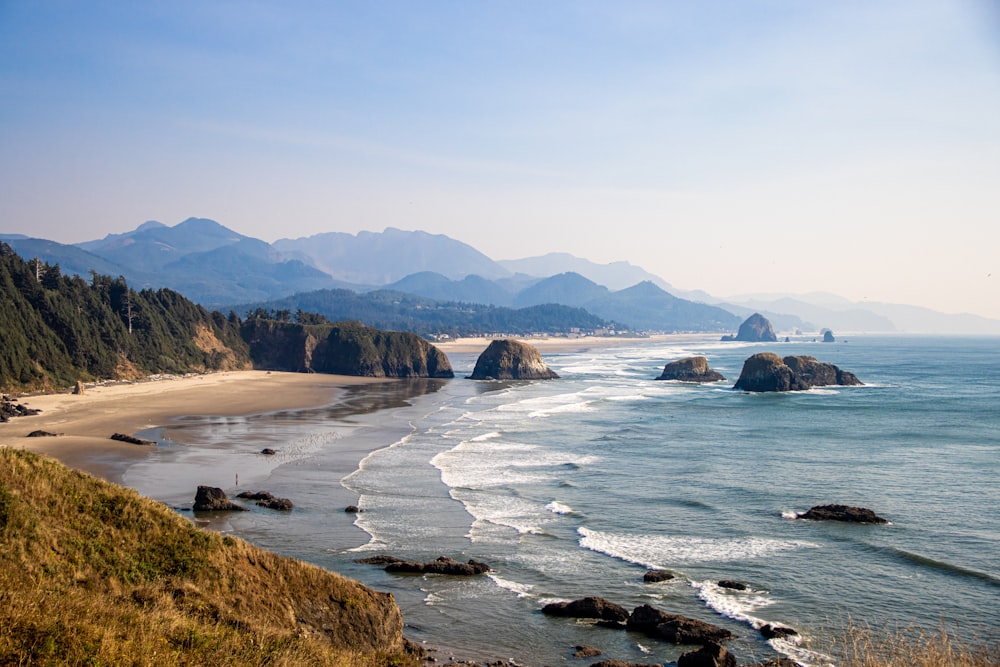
(94, 574)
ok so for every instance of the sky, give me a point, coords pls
(735, 147)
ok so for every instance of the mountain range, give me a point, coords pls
(218, 268)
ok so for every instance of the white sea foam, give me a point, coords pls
(661, 551)
(521, 590)
(742, 605)
(557, 507)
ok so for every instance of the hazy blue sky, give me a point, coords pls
(786, 146)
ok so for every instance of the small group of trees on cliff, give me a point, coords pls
(58, 329)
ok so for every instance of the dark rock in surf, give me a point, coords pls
(842, 513)
(589, 607)
(828, 336)
(511, 360)
(213, 499)
(656, 576)
(352, 509)
(42, 434)
(709, 655)
(266, 499)
(775, 662)
(583, 651)
(690, 369)
(381, 559)
(443, 565)
(771, 631)
(673, 628)
(766, 371)
(267, 451)
(623, 663)
(733, 585)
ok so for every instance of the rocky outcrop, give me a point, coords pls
(266, 499)
(213, 499)
(584, 651)
(344, 348)
(709, 655)
(42, 434)
(508, 359)
(589, 607)
(733, 585)
(775, 662)
(132, 440)
(766, 371)
(656, 576)
(690, 369)
(842, 513)
(624, 663)
(10, 408)
(828, 336)
(442, 565)
(673, 628)
(771, 631)
(755, 329)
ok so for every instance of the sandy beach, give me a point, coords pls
(85, 423)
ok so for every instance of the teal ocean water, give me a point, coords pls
(577, 486)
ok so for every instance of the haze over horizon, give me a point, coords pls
(770, 147)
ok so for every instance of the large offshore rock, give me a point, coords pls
(690, 369)
(511, 360)
(755, 329)
(766, 371)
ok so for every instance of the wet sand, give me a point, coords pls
(85, 423)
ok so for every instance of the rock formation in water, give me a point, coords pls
(213, 499)
(842, 513)
(673, 628)
(345, 348)
(589, 607)
(755, 329)
(508, 359)
(690, 369)
(766, 371)
(709, 655)
(828, 336)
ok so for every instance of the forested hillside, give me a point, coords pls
(58, 329)
(396, 311)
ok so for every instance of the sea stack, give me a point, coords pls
(508, 359)
(690, 369)
(766, 371)
(755, 329)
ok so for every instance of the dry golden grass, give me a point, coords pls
(864, 646)
(94, 574)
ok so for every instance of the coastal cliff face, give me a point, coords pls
(346, 348)
(129, 581)
(511, 360)
(766, 371)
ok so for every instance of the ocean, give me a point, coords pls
(576, 487)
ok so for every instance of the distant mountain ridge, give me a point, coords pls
(216, 266)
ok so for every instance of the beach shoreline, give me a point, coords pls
(84, 423)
